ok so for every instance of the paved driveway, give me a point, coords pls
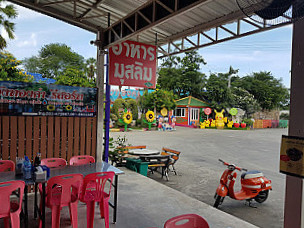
(199, 170)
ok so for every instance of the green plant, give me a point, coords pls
(118, 148)
(113, 117)
(284, 116)
(248, 122)
(9, 70)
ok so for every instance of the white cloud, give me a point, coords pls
(4, 34)
(31, 41)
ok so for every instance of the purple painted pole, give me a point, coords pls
(107, 114)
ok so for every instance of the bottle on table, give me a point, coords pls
(27, 168)
(37, 160)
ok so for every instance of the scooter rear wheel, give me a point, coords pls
(262, 196)
(218, 201)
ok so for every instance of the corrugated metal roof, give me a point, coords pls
(92, 15)
(191, 102)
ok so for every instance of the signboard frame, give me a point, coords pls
(132, 64)
(39, 99)
(291, 156)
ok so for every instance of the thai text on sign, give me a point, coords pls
(21, 98)
(132, 64)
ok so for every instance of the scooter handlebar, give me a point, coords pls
(236, 167)
(224, 163)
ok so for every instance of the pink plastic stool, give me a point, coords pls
(7, 165)
(63, 191)
(82, 160)
(93, 190)
(187, 221)
(11, 210)
(53, 162)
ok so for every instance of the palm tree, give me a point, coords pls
(6, 13)
(90, 67)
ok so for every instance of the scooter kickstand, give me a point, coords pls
(250, 204)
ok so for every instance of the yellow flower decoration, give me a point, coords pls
(127, 117)
(68, 107)
(164, 111)
(50, 107)
(150, 116)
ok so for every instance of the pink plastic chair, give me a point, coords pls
(63, 191)
(82, 160)
(11, 210)
(93, 190)
(7, 165)
(187, 221)
(54, 162)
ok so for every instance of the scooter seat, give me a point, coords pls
(252, 174)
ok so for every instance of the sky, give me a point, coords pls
(266, 51)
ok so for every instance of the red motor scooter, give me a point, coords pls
(254, 185)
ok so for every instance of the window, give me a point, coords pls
(194, 114)
(180, 112)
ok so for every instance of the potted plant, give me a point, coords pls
(118, 148)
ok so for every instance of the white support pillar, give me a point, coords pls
(293, 212)
(100, 98)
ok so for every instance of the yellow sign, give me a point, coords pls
(291, 156)
(164, 112)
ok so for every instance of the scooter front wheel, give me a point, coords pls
(262, 196)
(218, 201)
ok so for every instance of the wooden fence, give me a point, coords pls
(51, 136)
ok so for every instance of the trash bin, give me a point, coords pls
(137, 165)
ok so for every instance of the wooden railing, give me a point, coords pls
(51, 136)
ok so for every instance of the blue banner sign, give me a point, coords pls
(36, 99)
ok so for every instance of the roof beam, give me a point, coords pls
(154, 12)
(93, 7)
(36, 6)
(215, 39)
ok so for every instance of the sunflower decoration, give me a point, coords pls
(150, 118)
(68, 107)
(126, 119)
(50, 107)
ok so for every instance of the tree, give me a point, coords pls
(9, 70)
(267, 90)
(182, 76)
(120, 105)
(90, 69)
(54, 59)
(74, 77)
(7, 13)
(157, 100)
(244, 100)
(217, 91)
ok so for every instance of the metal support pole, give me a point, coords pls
(107, 112)
(100, 86)
(107, 106)
(293, 213)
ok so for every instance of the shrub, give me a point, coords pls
(248, 122)
(284, 116)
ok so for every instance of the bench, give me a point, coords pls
(120, 158)
(157, 161)
(174, 157)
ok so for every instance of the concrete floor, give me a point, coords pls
(199, 170)
(144, 203)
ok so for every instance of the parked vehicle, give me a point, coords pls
(254, 185)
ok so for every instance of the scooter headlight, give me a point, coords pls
(231, 167)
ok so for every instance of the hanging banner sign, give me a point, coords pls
(32, 99)
(291, 156)
(132, 64)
